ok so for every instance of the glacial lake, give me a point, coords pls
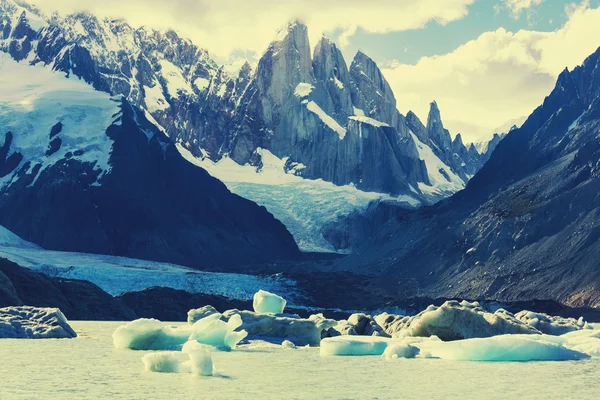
(89, 367)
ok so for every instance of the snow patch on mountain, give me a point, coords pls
(443, 180)
(7, 238)
(176, 83)
(303, 89)
(370, 121)
(33, 99)
(327, 120)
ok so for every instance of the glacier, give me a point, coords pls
(304, 206)
(117, 275)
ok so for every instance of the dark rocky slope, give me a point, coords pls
(527, 224)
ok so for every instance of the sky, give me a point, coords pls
(487, 63)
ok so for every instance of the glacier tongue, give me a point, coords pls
(304, 206)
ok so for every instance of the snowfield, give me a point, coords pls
(34, 98)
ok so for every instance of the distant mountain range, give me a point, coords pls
(318, 117)
(326, 120)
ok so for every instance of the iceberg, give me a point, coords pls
(501, 348)
(194, 358)
(213, 331)
(167, 361)
(456, 321)
(354, 346)
(25, 322)
(551, 325)
(401, 351)
(194, 315)
(150, 334)
(268, 303)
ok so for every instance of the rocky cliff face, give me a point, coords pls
(299, 105)
(525, 227)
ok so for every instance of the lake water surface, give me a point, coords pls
(89, 367)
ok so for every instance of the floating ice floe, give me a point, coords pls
(26, 322)
(194, 358)
(268, 303)
(501, 348)
(151, 334)
(456, 321)
(401, 351)
(354, 346)
(213, 331)
(551, 325)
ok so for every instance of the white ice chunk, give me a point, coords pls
(167, 361)
(150, 334)
(286, 344)
(268, 303)
(195, 359)
(197, 314)
(401, 351)
(26, 322)
(213, 331)
(200, 359)
(501, 348)
(354, 346)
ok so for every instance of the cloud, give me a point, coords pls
(222, 27)
(497, 77)
(516, 7)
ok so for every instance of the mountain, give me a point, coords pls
(525, 227)
(83, 171)
(486, 148)
(327, 120)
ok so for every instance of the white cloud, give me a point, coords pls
(516, 7)
(497, 77)
(224, 26)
